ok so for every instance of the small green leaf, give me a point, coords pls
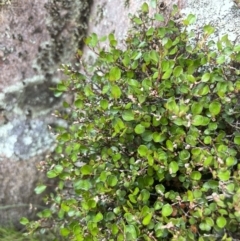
(157, 137)
(167, 210)
(142, 150)
(145, 195)
(159, 17)
(184, 155)
(40, 188)
(224, 175)
(237, 139)
(167, 74)
(55, 171)
(92, 40)
(112, 180)
(199, 120)
(206, 77)
(86, 169)
(196, 108)
(104, 104)
(237, 48)
(205, 226)
(195, 175)
(24, 221)
(208, 29)
(64, 232)
(126, 60)
(230, 161)
(138, 21)
(128, 115)
(98, 217)
(169, 145)
(221, 222)
(215, 108)
(82, 185)
(52, 174)
(147, 219)
(129, 217)
(207, 140)
(114, 74)
(154, 56)
(173, 167)
(62, 87)
(116, 92)
(204, 90)
(145, 8)
(64, 137)
(139, 129)
(221, 59)
(191, 18)
(130, 233)
(177, 71)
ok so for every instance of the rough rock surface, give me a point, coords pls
(35, 38)
(224, 15)
(18, 180)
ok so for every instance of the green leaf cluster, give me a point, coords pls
(152, 147)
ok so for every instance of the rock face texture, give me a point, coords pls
(224, 15)
(35, 38)
(107, 16)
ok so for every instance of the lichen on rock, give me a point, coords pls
(35, 38)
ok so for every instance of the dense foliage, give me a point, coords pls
(152, 147)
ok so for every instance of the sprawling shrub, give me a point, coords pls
(152, 147)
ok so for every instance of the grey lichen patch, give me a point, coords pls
(23, 139)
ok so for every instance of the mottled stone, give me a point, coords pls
(224, 15)
(35, 38)
(17, 182)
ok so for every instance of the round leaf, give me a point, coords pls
(173, 167)
(40, 188)
(116, 92)
(177, 71)
(147, 219)
(112, 180)
(139, 129)
(215, 108)
(230, 161)
(167, 210)
(206, 77)
(221, 222)
(128, 115)
(237, 139)
(196, 108)
(224, 175)
(169, 145)
(104, 104)
(195, 175)
(199, 120)
(142, 150)
(86, 169)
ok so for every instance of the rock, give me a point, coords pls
(224, 15)
(110, 17)
(35, 38)
(18, 179)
